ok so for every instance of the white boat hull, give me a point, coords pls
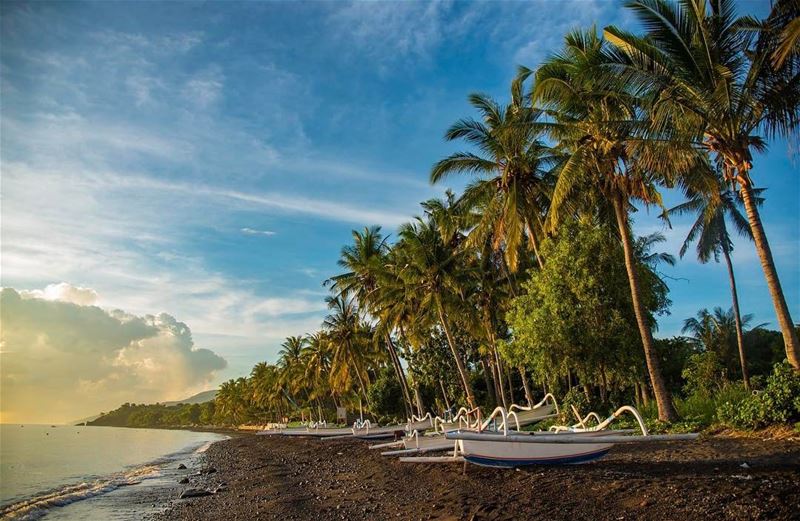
(319, 433)
(428, 443)
(510, 454)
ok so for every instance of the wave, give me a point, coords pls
(39, 505)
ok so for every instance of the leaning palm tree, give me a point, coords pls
(711, 233)
(708, 81)
(597, 126)
(511, 190)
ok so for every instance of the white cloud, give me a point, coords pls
(64, 292)
(205, 88)
(62, 360)
(134, 42)
(253, 231)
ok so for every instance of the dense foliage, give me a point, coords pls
(158, 415)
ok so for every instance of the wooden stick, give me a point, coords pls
(433, 459)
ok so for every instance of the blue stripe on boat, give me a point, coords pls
(511, 463)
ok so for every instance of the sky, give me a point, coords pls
(187, 173)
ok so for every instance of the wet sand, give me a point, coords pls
(279, 478)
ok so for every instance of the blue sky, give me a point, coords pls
(209, 160)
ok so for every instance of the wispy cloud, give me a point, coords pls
(391, 31)
(253, 231)
(205, 88)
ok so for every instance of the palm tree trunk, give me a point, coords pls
(535, 245)
(420, 405)
(490, 388)
(361, 384)
(738, 318)
(528, 395)
(401, 377)
(444, 394)
(666, 411)
(462, 371)
(790, 340)
(510, 384)
(512, 281)
(498, 364)
(603, 385)
(495, 379)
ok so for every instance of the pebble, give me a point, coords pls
(195, 492)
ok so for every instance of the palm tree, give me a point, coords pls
(779, 34)
(711, 233)
(350, 339)
(317, 355)
(266, 387)
(706, 80)
(363, 260)
(290, 360)
(430, 268)
(232, 399)
(511, 192)
(606, 162)
(715, 331)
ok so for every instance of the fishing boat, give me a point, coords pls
(576, 444)
(519, 416)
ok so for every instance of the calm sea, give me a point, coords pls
(64, 472)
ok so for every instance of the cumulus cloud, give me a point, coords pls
(63, 292)
(63, 358)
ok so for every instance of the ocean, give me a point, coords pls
(63, 472)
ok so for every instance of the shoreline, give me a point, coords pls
(126, 488)
(292, 478)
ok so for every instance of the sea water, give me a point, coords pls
(65, 472)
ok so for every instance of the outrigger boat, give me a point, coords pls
(417, 442)
(360, 429)
(567, 445)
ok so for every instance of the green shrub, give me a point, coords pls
(758, 382)
(778, 403)
(703, 374)
(700, 408)
(576, 397)
(385, 396)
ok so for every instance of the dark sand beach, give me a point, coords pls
(280, 478)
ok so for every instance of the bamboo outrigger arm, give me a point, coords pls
(547, 397)
(415, 418)
(463, 418)
(581, 425)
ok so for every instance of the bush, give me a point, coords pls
(576, 397)
(701, 409)
(385, 396)
(778, 403)
(703, 373)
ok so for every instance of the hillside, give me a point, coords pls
(188, 411)
(203, 397)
